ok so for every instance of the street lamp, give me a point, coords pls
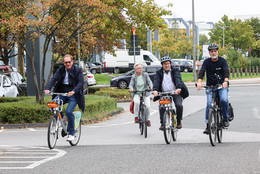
(193, 44)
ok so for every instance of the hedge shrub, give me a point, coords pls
(119, 94)
(27, 110)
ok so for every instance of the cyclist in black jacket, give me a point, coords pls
(217, 73)
(168, 79)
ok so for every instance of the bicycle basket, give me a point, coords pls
(164, 101)
(77, 115)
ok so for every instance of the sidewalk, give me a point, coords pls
(233, 82)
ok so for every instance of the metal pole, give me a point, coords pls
(78, 37)
(223, 36)
(194, 41)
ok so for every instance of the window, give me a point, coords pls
(6, 81)
(147, 58)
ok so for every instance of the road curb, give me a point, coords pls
(35, 125)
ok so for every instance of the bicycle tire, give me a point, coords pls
(167, 127)
(174, 127)
(212, 125)
(77, 136)
(220, 127)
(141, 125)
(145, 121)
(53, 130)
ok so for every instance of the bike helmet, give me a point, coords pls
(213, 46)
(164, 59)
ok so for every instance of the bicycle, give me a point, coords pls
(142, 114)
(215, 120)
(169, 117)
(57, 122)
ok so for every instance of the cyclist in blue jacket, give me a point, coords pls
(217, 73)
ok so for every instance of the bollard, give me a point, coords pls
(241, 72)
(253, 70)
(246, 71)
(249, 70)
(233, 72)
(237, 72)
(256, 71)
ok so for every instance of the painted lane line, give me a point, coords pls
(16, 162)
(31, 129)
(24, 157)
(32, 153)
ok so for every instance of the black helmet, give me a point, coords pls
(212, 47)
(164, 59)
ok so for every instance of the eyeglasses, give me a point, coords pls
(69, 62)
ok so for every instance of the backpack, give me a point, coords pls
(230, 112)
(132, 107)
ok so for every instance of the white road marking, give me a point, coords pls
(31, 129)
(43, 155)
(1, 130)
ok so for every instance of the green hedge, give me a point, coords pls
(119, 94)
(27, 110)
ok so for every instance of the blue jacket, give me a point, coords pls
(176, 79)
(77, 82)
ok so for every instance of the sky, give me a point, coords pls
(211, 10)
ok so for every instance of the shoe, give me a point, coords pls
(179, 124)
(161, 127)
(136, 120)
(226, 123)
(148, 123)
(70, 137)
(206, 131)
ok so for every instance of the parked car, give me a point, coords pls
(7, 87)
(185, 66)
(19, 81)
(94, 68)
(89, 80)
(4, 68)
(122, 81)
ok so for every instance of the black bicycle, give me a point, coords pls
(142, 114)
(169, 117)
(215, 120)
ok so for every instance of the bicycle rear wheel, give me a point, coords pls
(145, 121)
(141, 122)
(212, 125)
(174, 127)
(220, 127)
(167, 127)
(77, 136)
(53, 129)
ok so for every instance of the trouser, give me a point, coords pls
(223, 96)
(72, 103)
(177, 99)
(137, 105)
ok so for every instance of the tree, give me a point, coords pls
(236, 32)
(101, 25)
(203, 39)
(255, 23)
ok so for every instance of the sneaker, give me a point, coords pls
(161, 127)
(226, 123)
(149, 123)
(206, 131)
(136, 120)
(179, 124)
(70, 137)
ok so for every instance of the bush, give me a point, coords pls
(27, 110)
(119, 94)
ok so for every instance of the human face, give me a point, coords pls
(139, 69)
(166, 66)
(213, 53)
(68, 62)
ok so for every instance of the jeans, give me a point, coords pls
(223, 95)
(179, 108)
(137, 104)
(69, 111)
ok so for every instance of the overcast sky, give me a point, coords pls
(212, 10)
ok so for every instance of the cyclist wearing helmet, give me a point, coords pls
(168, 79)
(217, 73)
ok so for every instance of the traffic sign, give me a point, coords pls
(131, 51)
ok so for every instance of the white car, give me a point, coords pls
(89, 80)
(7, 87)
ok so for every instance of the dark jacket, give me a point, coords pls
(76, 79)
(176, 78)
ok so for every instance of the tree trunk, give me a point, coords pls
(21, 59)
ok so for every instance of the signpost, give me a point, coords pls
(133, 30)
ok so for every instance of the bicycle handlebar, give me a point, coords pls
(218, 86)
(166, 93)
(57, 93)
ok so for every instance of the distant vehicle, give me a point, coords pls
(19, 81)
(1, 62)
(93, 68)
(186, 66)
(122, 81)
(123, 62)
(89, 80)
(4, 68)
(7, 87)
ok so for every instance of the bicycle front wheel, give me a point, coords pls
(77, 136)
(167, 127)
(212, 125)
(141, 121)
(53, 129)
(220, 127)
(174, 129)
(145, 121)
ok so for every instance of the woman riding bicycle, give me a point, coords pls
(140, 81)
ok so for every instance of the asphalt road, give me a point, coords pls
(115, 146)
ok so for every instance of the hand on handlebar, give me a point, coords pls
(199, 86)
(177, 91)
(47, 91)
(131, 90)
(71, 93)
(155, 93)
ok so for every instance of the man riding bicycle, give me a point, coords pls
(168, 79)
(69, 79)
(217, 73)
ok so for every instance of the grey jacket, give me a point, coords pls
(147, 82)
